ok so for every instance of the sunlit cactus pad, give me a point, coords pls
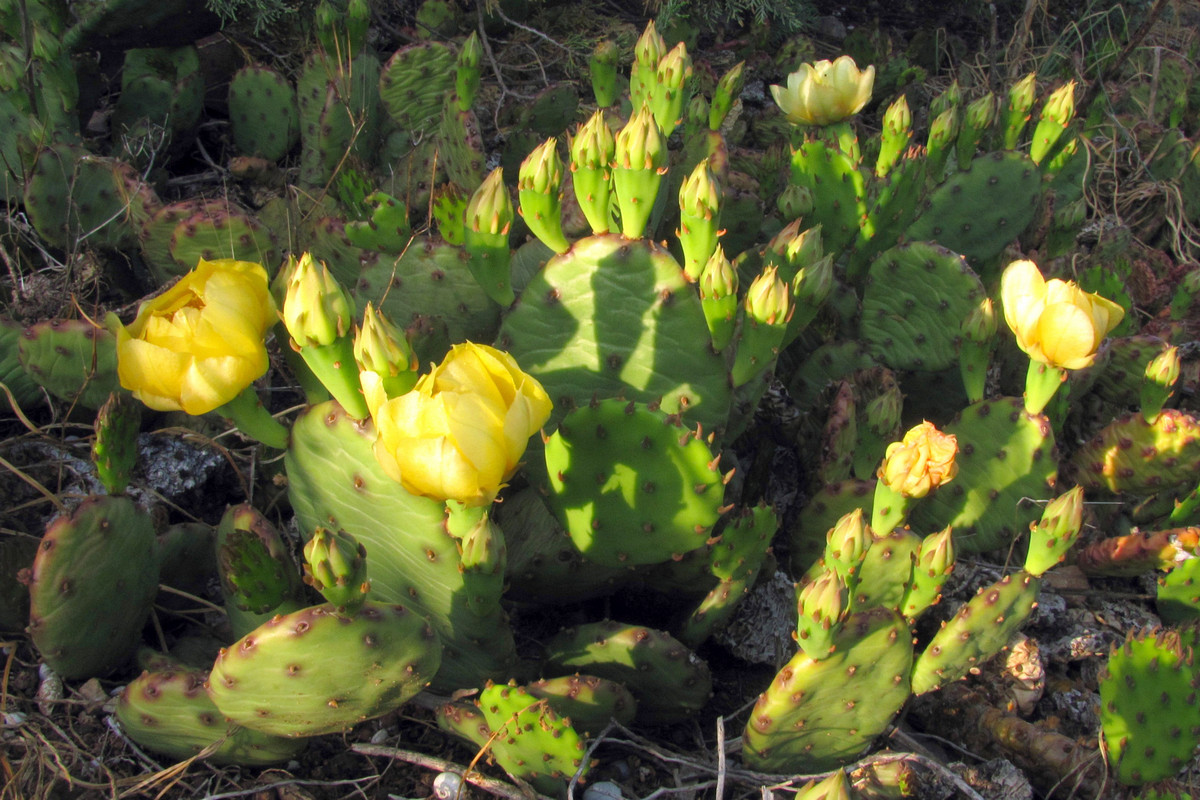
(817, 715)
(74, 360)
(616, 318)
(631, 484)
(1135, 456)
(318, 671)
(1006, 459)
(917, 296)
(532, 741)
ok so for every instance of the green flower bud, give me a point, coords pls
(335, 564)
(948, 99)
(719, 278)
(728, 90)
(538, 185)
(542, 169)
(471, 54)
(603, 69)
(767, 300)
(980, 324)
(846, 545)
(650, 47)
(898, 117)
(812, 284)
(981, 113)
(379, 346)
(593, 146)
(1054, 534)
(1159, 384)
(317, 310)
(640, 144)
(490, 210)
(1020, 100)
(1060, 105)
(795, 201)
(700, 195)
(934, 563)
(822, 605)
(466, 79)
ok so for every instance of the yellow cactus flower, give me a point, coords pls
(920, 462)
(1056, 323)
(461, 432)
(825, 92)
(197, 345)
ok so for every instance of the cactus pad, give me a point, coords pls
(533, 742)
(917, 296)
(415, 82)
(616, 318)
(630, 484)
(263, 115)
(92, 585)
(819, 714)
(318, 671)
(1139, 457)
(72, 359)
(1006, 457)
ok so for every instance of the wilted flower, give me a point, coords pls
(920, 462)
(1055, 322)
(825, 92)
(197, 345)
(461, 432)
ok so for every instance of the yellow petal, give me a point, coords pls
(1068, 338)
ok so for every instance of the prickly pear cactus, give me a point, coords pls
(92, 585)
(1178, 597)
(613, 317)
(532, 741)
(1149, 714)
(414, 84)
(916, 297)
(1005, 458)
(319, 671)
(589, 702)
(72, 359)
(979, 630)
(75, 199)
(630, 484)
(169, 712)
(335, 481)
(264, 117)
(820, 714)
(669, 681)
(1138, 457)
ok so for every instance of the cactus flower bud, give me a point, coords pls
(981, 112)
(489, 218)
(921, 462)
(822, 604)
(943, 132)
(1057, 113)
(825, 92)
(639, 164)
(767, 301)
(647, 52)
(490, 209)
(792, 249)
(728, 90)
(699, 213)
(335, 564)
(950, 98)
(669, 93)
(387, 365)
(317, 309)
(846, 544)
(980, 325)
(934, 563)
(768, 309)
(538, 184)
(718, 298)
(894, 138)
(603, 69)
(1055, 533)
(1020, 100)
(1159, 384)
(466, 79)
(975, 348)
(593, 150)
(795, 201)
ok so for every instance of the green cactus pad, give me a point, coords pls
(1178, 597)
(431, 285)
(630, 484)
(916, 297)
(256, 569)
(25, 390)
(335, 482)
(976, 632)
(170, 713)
(92, 585)
(533, 742)
(588, 702)
(72, 359)
(115, 450)
(818, 715)
(1006, 459)
(414, 84)
(543, 563)
(318, 671)
(387, 230)
(838, 190)
(979, 210)
(176, 237)
(1138, 457)
(74, 199)
(616, 318)
(826, 364)
(460, 145)
(669, 681)
(264, 117)
(887, 570)
(1149, 715)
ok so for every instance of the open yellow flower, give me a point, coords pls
(1056, 323)
(920, 462)
(461, 432)
(197, 345)
(825, 92)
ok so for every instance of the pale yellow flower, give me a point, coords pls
(461, 432)
(197, 345)
(920, 462)
(825, 92)
(1055, 322)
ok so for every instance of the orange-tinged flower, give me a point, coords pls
(461, 432)
(920, 462)
(197, 345)
(825, 92)
(1055, 322)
